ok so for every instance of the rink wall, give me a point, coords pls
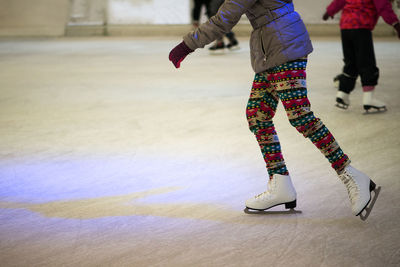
(134, 18)
(33, 17)
(172, 17)
(179, 30)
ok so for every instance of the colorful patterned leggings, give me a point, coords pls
(287, 82)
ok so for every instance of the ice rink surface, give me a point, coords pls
(109, 156)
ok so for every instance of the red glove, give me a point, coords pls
(178, 54)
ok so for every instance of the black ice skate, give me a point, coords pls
(233, 45)
(342, 100)
(372, 105)
(371, 202)
(217, 49)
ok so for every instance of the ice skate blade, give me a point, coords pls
(288, 205)
(217, 52)
(374, 110)
(270, 212)
(371, 202)
(234, 48)
(341, 104)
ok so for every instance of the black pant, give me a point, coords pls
(197, 8)
(214, 6)
(359, 59)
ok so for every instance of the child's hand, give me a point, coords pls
(178, 54)
(326, 16)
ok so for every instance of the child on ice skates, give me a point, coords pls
(279, 45)
(357, 21)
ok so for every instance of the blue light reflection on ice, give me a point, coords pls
(50, 180)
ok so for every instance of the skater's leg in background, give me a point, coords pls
(366, 62)
(347, 80)
(260, 111)
(230, 36)
(214, 6)
(233, 42)
(196, 10)
(218, 47)
(212, 9)
(350, 72)
(209, 11)
(368, 70)
(289, 80)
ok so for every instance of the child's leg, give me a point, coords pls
(196, 10)
(213, 6)
(368, 70)
(209, 9)
(289, 80)
(348, 79)
(261, 108)
(233, 42)
(366, 62)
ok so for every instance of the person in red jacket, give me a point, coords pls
(357, 21)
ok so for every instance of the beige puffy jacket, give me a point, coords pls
(279, 34)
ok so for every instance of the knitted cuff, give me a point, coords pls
(185, 48)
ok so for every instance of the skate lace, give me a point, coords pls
(270, 188)
(351, 186)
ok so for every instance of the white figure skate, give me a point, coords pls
(342, 100)
(280, 191)
(370, 102)
(359, 187)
